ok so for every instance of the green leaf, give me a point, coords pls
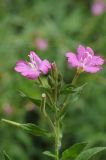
(69, 89)
(34, 100)
(44, 89)
(48, 153)
(77, 92)
(6, 157)
(89, 153)
(73, 152)
(29, 128)
(79, 88)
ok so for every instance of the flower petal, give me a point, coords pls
(88, 49)
(22, 66)
(81, 52)
(92, 69)
(35, 59)
(97, 60)
(26, 70)
(45, 66)
(32, 74)
(72, 59)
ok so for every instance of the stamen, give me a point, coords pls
(32, 65)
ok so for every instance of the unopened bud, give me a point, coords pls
(43, 95)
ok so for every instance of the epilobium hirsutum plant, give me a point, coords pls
(56, 97)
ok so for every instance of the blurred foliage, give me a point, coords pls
(65, 25)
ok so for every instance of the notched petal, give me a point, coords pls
(92, 69)
(34, 58)
(26, 70)
(97, 60)
(90, 50)
(81, 52)
(72, 59)
(45, 66)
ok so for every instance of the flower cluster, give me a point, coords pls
(56, 97)
(84, 60)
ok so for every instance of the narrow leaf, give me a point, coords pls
(89, 153)
(34, 100)
(48, 153)
(79, 88)
(74, 151)
(67, 89)
(6, 157)
(29, 128)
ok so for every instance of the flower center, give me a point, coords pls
(86, 59)
(32, 66)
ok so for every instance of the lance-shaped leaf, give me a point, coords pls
(79, 88)
(43, 89)
(89, 153)
(72, 152)
(69, 89)
(6, 156)
(29, 128)
(34, 100)
(48, 153)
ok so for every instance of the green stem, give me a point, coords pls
(43, 110)
(57, 139)
(40, 81)
(75, 78)
(73, 83)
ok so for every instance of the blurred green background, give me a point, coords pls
(61, 25)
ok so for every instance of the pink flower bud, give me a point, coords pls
(41, 44)
(8, 110)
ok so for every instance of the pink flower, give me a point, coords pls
(98, 7)
(34, 68)
(8, 110)
(85, 60)
(41, 44)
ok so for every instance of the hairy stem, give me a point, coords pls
(43, 111)
(75, 78)
(57, 138)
